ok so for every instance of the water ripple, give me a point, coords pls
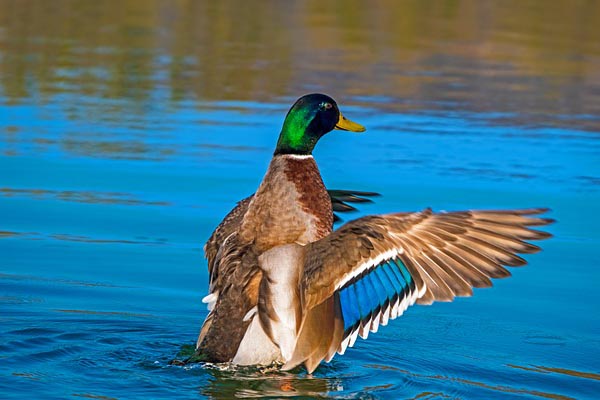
(92, 197)
(93, 396)
(94, 312)
(60, 281)
(563, 371)
(470, 382)
(82, 239)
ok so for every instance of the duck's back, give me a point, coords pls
(290, 206)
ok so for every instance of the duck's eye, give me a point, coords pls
(325, 105)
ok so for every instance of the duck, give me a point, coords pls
(287, 289)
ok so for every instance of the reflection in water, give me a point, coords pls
(132, 150)
(85, 239)
(6, 234)
(93, 396)
(252, 383)
(535, 58)
(432, 395)
(569, 372)
(228, 381)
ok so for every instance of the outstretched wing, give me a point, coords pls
(373, 268)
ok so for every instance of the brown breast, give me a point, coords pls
(313, 197)
(290, 206)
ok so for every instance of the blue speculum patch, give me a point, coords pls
(372, 291)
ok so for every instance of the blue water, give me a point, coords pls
(112, 179)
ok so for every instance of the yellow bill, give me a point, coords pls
(345, 124)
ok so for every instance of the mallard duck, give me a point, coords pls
(286, 288)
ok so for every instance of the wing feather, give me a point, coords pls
(377, 266)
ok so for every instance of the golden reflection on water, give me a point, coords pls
(563, 371)
(248, 382)
(504, 56)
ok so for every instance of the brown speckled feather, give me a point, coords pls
(230, 224)
(237, 284)
(449, 252)
(232, 221)
(312, 196)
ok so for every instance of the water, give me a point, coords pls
(128, 132)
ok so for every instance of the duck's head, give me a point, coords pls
(311, 117)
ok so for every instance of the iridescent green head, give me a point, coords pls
(311, 117)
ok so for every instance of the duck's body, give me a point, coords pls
(279, 214)
(285, 288)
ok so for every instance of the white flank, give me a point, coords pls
(256, 347)
(281, 266)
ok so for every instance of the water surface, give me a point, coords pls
(127, 133)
